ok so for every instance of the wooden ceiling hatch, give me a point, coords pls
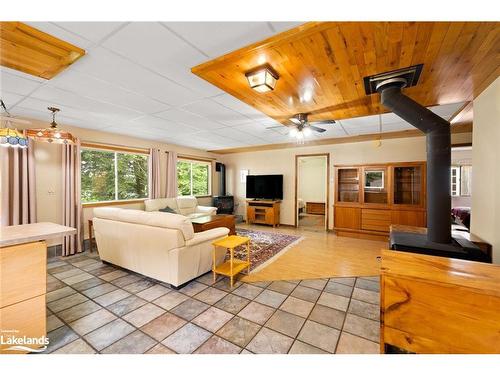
(31, 51)
(328, 60)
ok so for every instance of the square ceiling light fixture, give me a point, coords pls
(263, 78)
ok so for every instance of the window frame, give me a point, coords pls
(210, 175)
(115, 150)
(459, 168)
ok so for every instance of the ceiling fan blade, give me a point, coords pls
(324, 122)
(295, 120)
(316, 129)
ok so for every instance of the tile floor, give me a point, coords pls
(96, 308)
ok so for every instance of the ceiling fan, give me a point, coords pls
(301, 126)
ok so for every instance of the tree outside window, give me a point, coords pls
(194, 177)
(113, 176)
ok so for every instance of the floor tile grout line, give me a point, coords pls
(229, 292)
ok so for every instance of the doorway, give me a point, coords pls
(311, 191)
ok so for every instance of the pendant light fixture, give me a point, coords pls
(52, 134)
(9, 136)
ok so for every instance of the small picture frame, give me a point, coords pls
(243, 176)
(374, 180)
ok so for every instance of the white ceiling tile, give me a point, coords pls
(16, 84)
(223, 37)
(94, 88)
(93, 31)
(54, 30)
(210, 109)
(283, 26)
(155, 123)
(17, 73)
(182, 117)
(446, 110)
(10, 100)
(396, 126)
(115, 69)
(237, 105)
(153, 45)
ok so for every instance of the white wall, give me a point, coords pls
(485, 217)
(282, 161)
(312, 179)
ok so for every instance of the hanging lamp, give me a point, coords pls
(52, 134)
(9, 136)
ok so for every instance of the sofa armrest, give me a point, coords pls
(207, 235)
(206, 210)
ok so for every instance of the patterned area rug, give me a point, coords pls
(265, 247)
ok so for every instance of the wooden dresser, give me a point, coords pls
(263, 212)
(23, 282)
(398, 197)
(315, 208)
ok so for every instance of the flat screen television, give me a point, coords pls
(265, 186)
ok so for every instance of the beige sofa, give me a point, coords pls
(159, 245)
(186, 206)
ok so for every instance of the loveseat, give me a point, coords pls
(186, 206)
(159, 245)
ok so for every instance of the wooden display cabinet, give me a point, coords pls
(396, 196)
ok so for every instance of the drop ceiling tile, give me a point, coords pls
(17, 73)
(155, 123)
(361, 121)
(93, 31)
(98, 116)
(112, 68)
(94, 88)
(239, 136)
(397, 126)
(237, 105)
(54, 30)
(153, 45)
(447, 110)
(10, 100)
(223, 37)
(16, 84)
(214, 111)
(283, 26)
(183, 117)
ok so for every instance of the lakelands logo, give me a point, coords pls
(13, 342)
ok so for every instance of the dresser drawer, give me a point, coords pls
(376, 220)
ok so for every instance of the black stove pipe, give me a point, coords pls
(438, 138)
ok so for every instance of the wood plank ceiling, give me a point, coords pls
(34, 52)
(326, 62)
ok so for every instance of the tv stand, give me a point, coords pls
(263, 212)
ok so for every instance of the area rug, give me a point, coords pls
(265, 247)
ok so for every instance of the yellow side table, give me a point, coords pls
(233, 266)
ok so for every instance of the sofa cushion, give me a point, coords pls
(186, 205)
(156, 204)
(155, 219)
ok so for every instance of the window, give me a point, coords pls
(194, 177)
(113, 175)
(461, 180)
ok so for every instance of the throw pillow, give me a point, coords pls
(167, 209)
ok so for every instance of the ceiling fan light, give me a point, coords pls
(262, 79)
(307, 131)
(300, 135)
(293, 132)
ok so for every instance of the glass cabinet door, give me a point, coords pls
(348, 185)
(408, 185)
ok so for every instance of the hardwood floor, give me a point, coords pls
(320, 255)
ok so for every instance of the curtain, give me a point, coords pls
(17, 185)
(72, 208)
(171, 174)
(154, 174)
